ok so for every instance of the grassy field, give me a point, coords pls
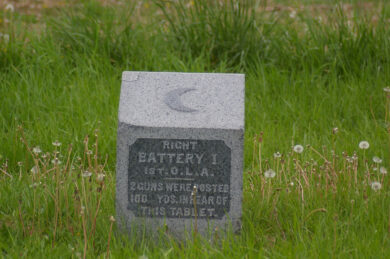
(317, 74)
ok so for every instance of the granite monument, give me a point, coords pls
(180, 151)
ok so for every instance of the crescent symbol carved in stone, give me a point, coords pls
(172, 99)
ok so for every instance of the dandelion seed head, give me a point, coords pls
(34, 185)
(10, 7)
(377, 160)
(364, 144)
(56, 161)
(277, 155)
(82, 209)
(56, 143)
(387, 89)
(383, 170)
(20, 164)
(112, 219)
(292, 184)
(34, 170)
(37, 150)
(89, 152)
(87, 174)
(335, 130)
(293, 14)
(100, 178)
(269, 173)
(376, 186)
(6, 38)
(375, 168)
(298, 149)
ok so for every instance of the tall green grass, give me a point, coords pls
(303, 78)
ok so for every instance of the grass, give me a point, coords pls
(60, 80)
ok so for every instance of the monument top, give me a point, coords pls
(182, 100)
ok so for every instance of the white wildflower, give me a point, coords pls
(34, 185)
(383, 170)
(293, 14)
(56, 161)
(6, 38)
(56, 143)
(298, 149)
(82, 210)
(387, 89)
(377, 160)
(194, 190)
(87, 174)
(37, 150)
(269, 173)
(277, 155)
(100, 178)
(364, 144)
(34, 170)
(376, 186)
(9, 7)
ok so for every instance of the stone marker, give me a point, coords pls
(177, 131)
